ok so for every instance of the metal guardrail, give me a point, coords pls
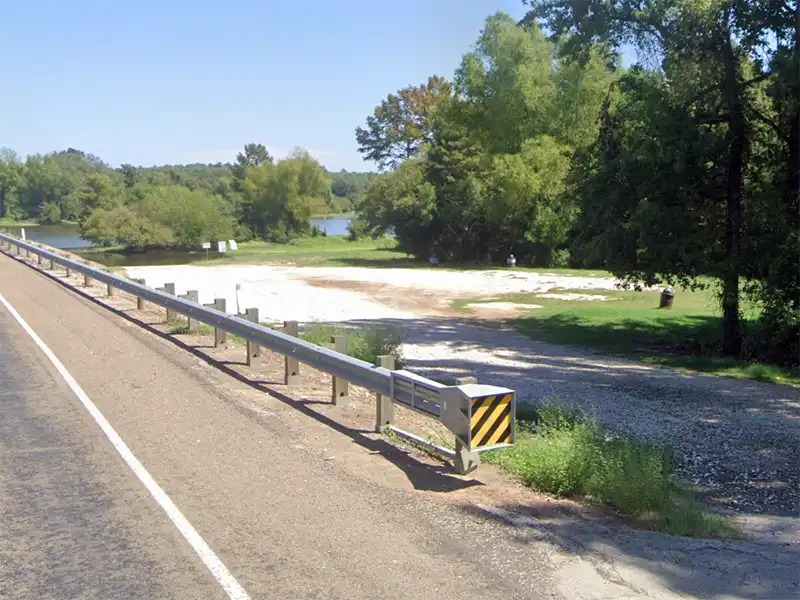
(401, 387)
(353, 370)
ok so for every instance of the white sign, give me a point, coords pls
(22, 233)
(233, 244)
(221, 246)
(206, 245)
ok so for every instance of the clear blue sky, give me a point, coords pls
(173, 81)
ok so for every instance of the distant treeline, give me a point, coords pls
(176, 205)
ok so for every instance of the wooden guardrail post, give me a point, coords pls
(68, 272)
(340, 388)
(110, 291)
(253, 349)
(219, 334)
(39, 260)
(87, 281)
(193, 296)
(384, 409)
(292, 365)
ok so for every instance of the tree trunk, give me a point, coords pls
(731, 325)
(793, 161)
(2, 202)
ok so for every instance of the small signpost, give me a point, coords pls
(206, 247)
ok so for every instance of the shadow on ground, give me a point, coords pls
(708, 420)
(422, 475)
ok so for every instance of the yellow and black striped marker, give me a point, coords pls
(491, 420)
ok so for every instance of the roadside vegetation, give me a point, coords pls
(630, 324)
(367, 344)
(564, 452)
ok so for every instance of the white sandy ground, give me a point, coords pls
(284, 294)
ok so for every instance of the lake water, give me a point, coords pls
(66, 237)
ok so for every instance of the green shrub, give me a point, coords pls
(367, 344)
(562, 451)
(358, 229)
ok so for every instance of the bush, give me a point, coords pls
(367, 344)
(565, 452)
(358, 229)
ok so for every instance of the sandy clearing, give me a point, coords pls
(311, 297)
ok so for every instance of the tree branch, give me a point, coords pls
(711, 88)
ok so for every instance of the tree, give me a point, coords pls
(279, 200)
(11, 180)
(254, 155)
(403, 123)
(712, 68)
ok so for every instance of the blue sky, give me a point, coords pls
(175, 81)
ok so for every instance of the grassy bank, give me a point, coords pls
(563, 452)
(630, 324)
(6, 222)
(331, 251)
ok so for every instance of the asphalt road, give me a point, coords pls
(76, 522)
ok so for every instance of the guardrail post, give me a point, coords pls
(68, 272)
(384, 410)
(169, 288)
(340, 387)
(39, 260)
(140, 303)
(193, 296)
(292, 371)
(87, 281)
(253, 349)
(110, 290)
(219, 334)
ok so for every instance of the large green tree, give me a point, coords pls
(403, 123)
(709, 82)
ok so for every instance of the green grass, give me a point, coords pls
(330, 251)
(8, 222)
(630, 324)
(564, 452)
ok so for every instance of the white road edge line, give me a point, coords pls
(224, 577)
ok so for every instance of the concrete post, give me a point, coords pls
(384, 407)
(193, 296)
(253, 349)
(87, 281)
(340, 391)
(292, 371)
(219, 335)
(110, 291)
(169, 288)
(68, 272)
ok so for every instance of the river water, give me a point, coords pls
(66, 237)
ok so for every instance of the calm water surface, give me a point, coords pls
(66, 237)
